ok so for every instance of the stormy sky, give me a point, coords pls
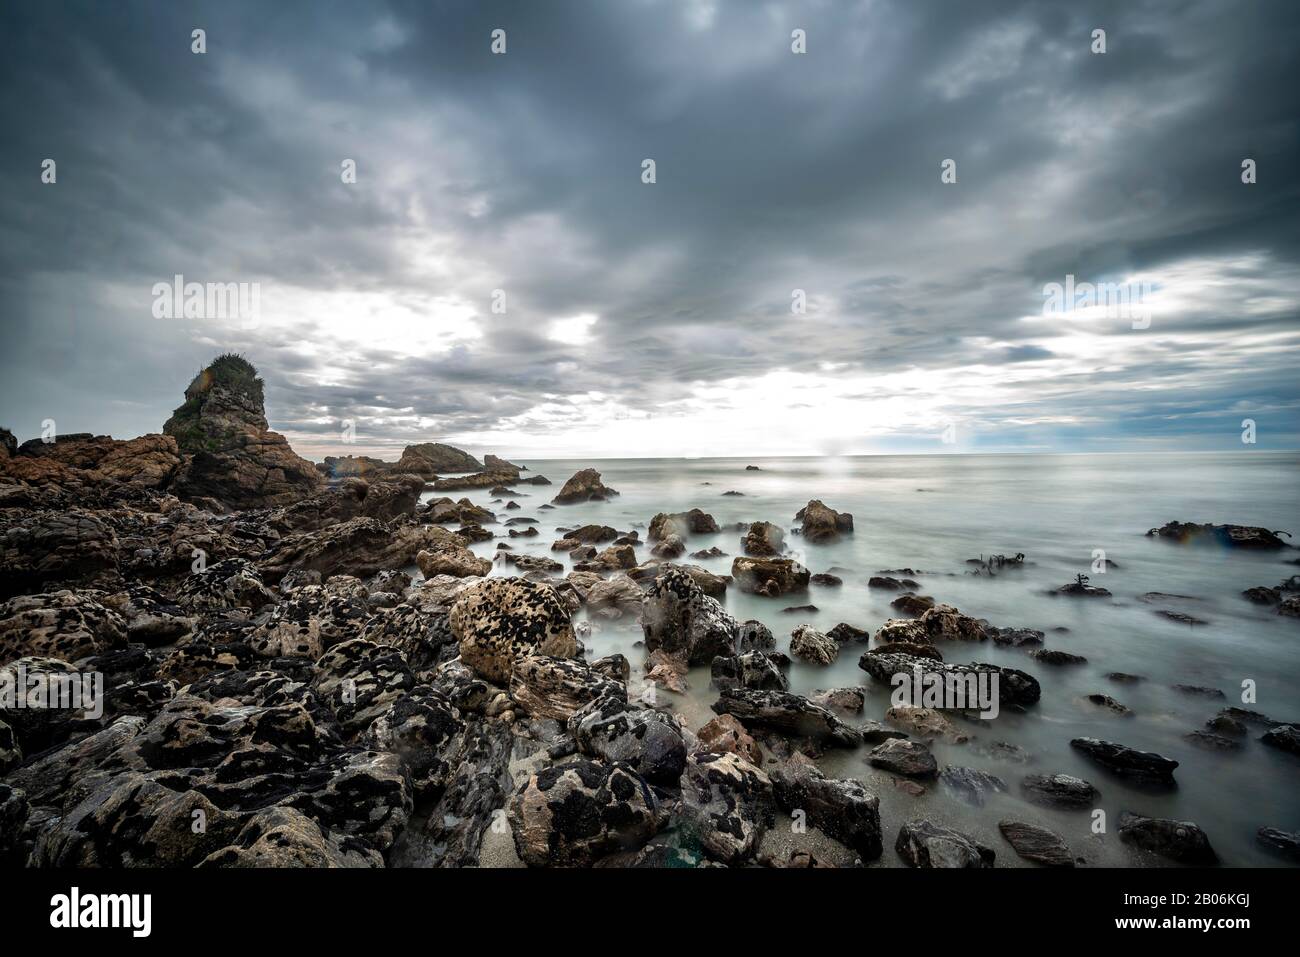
(651, 319)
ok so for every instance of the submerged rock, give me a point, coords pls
(1127, 762)
(1228, 536)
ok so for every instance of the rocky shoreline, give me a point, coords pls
(305, 665)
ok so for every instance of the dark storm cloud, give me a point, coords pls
(775, 172)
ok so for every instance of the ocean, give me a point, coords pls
(932, 513)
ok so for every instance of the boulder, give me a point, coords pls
(1127, 762)
(769, 576)
(1014, 688)
(809, 644)
(500, 620)
(787, 713)
(649, 742)
(681, 524)
(1180, 841)
(728, 803)
(571, 815)
(923, 843)
(678, 618)
(725, 733)
(753, 669)
(843, 809)
(971, 785)
(1037, 844)
(583, 486)
(1059, 790)
(908, 758)
(763, 540)
(821, 523)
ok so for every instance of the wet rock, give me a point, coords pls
(1110, 704)
(583, 486)
(233, 457)
(809, 644)
(284, 837)
(753, 670)
(1290, 607)
(359, 680)
(728, 803)
(573, 814)
(823, 524)
(63, 624)
(1199, 691)
(1016, 637)
(1037, 844)
(1003, 751)
(787, 713)
(681, 524)
(945, 623)
(547, 687)
(424, 730)
(359, 546)
(1127, 762)
(844, 633)
(926, 723)
(1262, 596)
(841, 700)
(678, 618)
(913, 606)
(715, 586)
(922, 843)
(763, 540)
(1124, 679)
(54, 546)
(1014, 688)
(534, 563)
(909, 758)
(1227, 536)
(619, 592)
(1285, 843)
(843, 809)
(1059, 790)
(1079, 588)
(1211, 741)
(971, 784)
(1051, 656)
(755, 636)
(500, 620)
(725, 733)
(1285, 737)
(649, 742)
(713, 551)
(669, 547)
(769, 576)
(1180, 841)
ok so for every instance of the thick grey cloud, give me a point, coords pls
(775, 171)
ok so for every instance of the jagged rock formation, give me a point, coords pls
(233, 457)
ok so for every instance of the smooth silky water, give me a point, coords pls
(931, 513)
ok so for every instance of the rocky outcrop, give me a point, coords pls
(81, 464)
(822, 524)
(1226, 536)
(428, 459)
(584, 486)
(359, 546)
(501, 620)
(232, 457)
